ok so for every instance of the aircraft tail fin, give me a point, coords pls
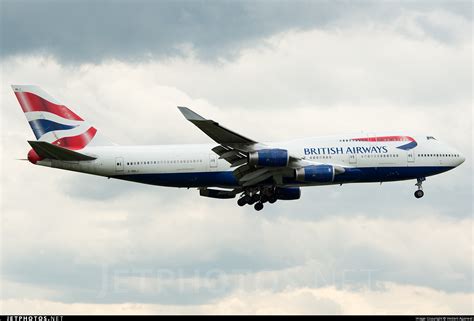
(54, 123)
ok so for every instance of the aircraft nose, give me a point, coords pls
(461, 159)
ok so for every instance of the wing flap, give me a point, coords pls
(254, 174)
(258, 179)
(238, 162)
(233, 156)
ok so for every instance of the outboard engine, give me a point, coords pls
(315, 173)
(269, 158)
(287, 193)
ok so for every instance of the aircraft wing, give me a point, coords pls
(212, 129)
(235, 148)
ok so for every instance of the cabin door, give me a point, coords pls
(119, 164)
(353, 159)
(410, 157)
(212, 161)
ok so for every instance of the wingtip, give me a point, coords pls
(189, 114)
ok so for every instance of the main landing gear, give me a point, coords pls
(257, 197)
(419, 193)
(258, 206)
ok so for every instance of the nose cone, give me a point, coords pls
(461, 159)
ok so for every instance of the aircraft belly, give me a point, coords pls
(188, 179)
(227, 179)
(379, 174)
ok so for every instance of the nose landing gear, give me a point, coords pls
(419, 193)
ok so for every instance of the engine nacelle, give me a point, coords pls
(315, 173)
(288, 193)
(269, 157)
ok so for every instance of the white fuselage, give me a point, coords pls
(199, 166)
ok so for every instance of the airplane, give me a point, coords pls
(234, 165)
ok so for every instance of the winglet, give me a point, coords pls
(189, 114)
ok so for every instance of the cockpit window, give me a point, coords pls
(430, 137)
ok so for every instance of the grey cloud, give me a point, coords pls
(91, 31)
(357, 267)
(165, 242)
(99, 188)
(332, 236)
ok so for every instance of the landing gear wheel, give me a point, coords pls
(272, 200)
(258, 206)
(419, 193)
(242, 201)
(255, 198)
(419, 183)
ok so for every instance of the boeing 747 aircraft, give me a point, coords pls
(234, 164)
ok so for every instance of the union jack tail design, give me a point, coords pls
(53, 122)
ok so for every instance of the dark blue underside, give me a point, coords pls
(227, 179)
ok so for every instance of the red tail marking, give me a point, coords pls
(76, 142)
(385, 139)
(32, 102)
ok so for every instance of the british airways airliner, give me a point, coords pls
(234, 164)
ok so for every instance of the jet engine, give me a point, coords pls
(315, 173)
(269, 158)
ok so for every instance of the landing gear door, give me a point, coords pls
(119, 164)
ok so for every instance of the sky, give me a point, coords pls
(270, 70)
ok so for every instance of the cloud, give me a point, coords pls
(394, 299)
(73, 241)
(181, 249)
(93, 31)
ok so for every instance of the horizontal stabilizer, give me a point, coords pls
(47, 150)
